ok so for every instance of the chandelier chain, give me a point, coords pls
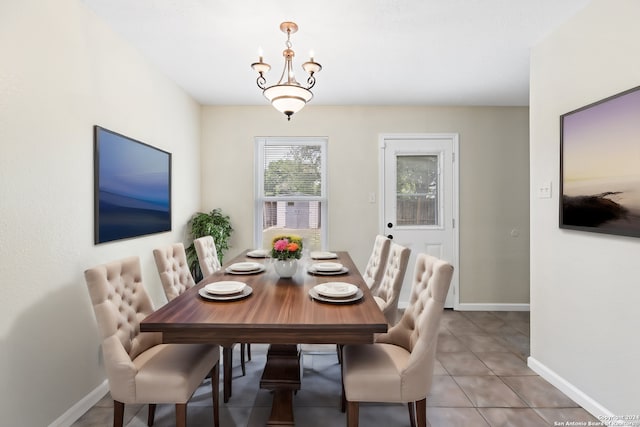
(288, 42)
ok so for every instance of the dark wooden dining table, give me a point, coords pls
(279, 312)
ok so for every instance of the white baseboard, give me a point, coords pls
(578, 396)
(78, 410)
(492, 307)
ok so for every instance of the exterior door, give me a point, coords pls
(420, 200)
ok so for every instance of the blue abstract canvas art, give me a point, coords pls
(132, 187)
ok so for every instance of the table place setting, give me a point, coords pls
(327, 268)
(245, 268)
(323, 255)
(225, 291)
(258, 253)
(336, 292)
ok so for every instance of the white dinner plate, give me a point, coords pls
(246, 291)
(328, 266)
(258, 253)
(245, 266)
(336, 289)
(348, 300)
(315, 271)
(322, 255)
(259, 269)
(224, 287)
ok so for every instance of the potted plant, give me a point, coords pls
(215, 224)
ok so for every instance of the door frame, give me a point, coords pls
(453, 137)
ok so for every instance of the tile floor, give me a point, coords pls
(481, 379)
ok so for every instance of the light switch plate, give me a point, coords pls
(544, 190)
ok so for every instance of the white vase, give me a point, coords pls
(286, 268)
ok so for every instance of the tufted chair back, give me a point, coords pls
(207, 255)
(388, 293)
(417, 331)
(120, 302)
(174, 271)
(375, 266)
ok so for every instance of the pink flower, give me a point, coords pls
(281, 245)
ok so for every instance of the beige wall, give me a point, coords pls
(61, 72)
(584, 286)
(493, 181)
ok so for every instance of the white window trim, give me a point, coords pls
(258, 182)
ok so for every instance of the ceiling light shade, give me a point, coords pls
(288, 99)
(287, 96)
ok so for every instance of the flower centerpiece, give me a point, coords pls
(286, 251)
(286, 247)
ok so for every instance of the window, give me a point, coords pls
(417, 190)
(291, 190)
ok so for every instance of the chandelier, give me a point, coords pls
(287, 96)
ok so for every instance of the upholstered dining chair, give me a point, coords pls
(140, 369)
(388, 293)
(398, 367)
(171, 261)
(374, 269)
(209, 264)
(207, 255)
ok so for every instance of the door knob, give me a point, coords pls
(390, 236)
(390, 224)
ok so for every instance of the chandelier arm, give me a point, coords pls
(261, 81)
(311, 81)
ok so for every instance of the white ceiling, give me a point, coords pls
(373, 52)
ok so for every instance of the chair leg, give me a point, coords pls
(215, 393)
(412, 413)
(242, 348)
(343, 396)
(421, 412)
(181, 415)
(227, 353)
(249, 352)
(152, 414)
(118, 413)
(352, 414)
(339, 352)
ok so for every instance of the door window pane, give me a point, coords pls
(417, 190)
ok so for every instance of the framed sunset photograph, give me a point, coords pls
(600, 166)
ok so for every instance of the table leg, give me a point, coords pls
(282, 376)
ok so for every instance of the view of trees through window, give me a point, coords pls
(417, 190)
(292, 170)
